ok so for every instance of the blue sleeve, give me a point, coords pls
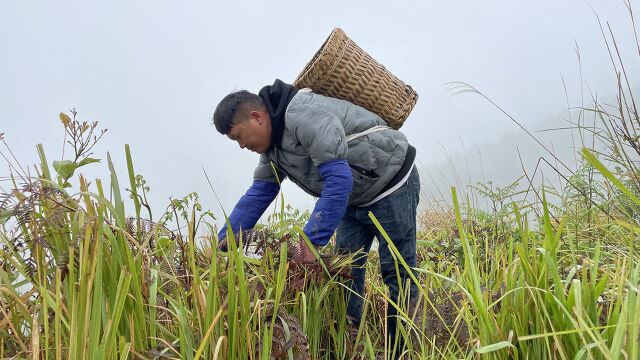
(334, 198)
(251, 206)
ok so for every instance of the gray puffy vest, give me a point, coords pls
(320, 128)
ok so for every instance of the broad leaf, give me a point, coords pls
(87, 161)
(65, 168)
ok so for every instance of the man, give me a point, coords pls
(341, 153)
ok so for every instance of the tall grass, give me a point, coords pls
(80, 278)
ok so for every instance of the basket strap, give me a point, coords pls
(303, 90)
(367, 132)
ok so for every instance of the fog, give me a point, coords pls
(153, 72)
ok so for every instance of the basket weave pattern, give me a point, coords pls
(341, 69)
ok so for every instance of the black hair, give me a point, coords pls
(236, 103)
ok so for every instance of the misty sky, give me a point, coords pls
(152, 73)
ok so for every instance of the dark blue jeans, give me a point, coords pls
(397, 215)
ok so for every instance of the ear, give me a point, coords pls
(258, 116)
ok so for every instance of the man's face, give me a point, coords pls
(253, 133)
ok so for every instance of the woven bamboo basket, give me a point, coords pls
(341, 69)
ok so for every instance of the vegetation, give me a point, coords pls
(556, 277)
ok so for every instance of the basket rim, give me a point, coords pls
(337, 32)
(320, 69)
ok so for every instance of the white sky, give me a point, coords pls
(152, 73)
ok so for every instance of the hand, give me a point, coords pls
(303, 254)
(222, 245)
(248, 237)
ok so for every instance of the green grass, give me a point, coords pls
(557, 277)
(81, 278)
